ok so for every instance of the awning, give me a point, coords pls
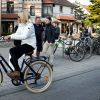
(9, 16)
(48, 1)
(69, 18)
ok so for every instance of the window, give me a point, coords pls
(10, 7)
(61, 9)
(47, 10)
(32, 10)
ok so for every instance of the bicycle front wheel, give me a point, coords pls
(38, 77)
(55, 48)
(76, 54)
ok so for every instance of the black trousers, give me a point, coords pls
(17, 42)
(17, 52)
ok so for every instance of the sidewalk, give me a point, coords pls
(63, 68)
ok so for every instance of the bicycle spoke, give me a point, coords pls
(40, 81)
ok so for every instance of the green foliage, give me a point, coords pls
(87, 22)
(95, 11)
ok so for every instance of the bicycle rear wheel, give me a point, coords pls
(41, 80)
(1, 77)
(97, 50)
(88, 47)
(76, 54)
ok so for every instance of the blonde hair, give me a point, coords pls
(23, 17)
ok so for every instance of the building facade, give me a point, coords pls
(61, 10)
(34, 7)
(11, 8)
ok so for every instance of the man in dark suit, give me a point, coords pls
(39, 35)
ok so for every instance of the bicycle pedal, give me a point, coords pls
(16, 82)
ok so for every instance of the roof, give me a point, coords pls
(60, 2)
(71, 18)
(9, 16)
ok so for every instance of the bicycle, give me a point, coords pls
(74, 52)
(96, 45)
(36, 75)
(87, 44)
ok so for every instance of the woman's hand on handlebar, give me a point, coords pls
(7, 38)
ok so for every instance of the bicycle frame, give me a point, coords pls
(3, 61)
(63, 43)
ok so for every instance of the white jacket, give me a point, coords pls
(26, 33)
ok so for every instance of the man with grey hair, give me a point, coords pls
(39, 33)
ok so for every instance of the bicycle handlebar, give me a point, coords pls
(2, 39)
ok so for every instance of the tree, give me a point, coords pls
(87, 22)
(79, 13)
(95, 11)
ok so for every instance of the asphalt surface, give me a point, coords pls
(72, 81)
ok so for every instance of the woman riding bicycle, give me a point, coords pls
(26, 33)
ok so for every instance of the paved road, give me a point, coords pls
(72, 81)
(80, 87)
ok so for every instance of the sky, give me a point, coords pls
(84, 2)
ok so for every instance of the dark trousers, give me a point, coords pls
(17, 52)
(17, 42)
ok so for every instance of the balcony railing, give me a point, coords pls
(5, 12)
